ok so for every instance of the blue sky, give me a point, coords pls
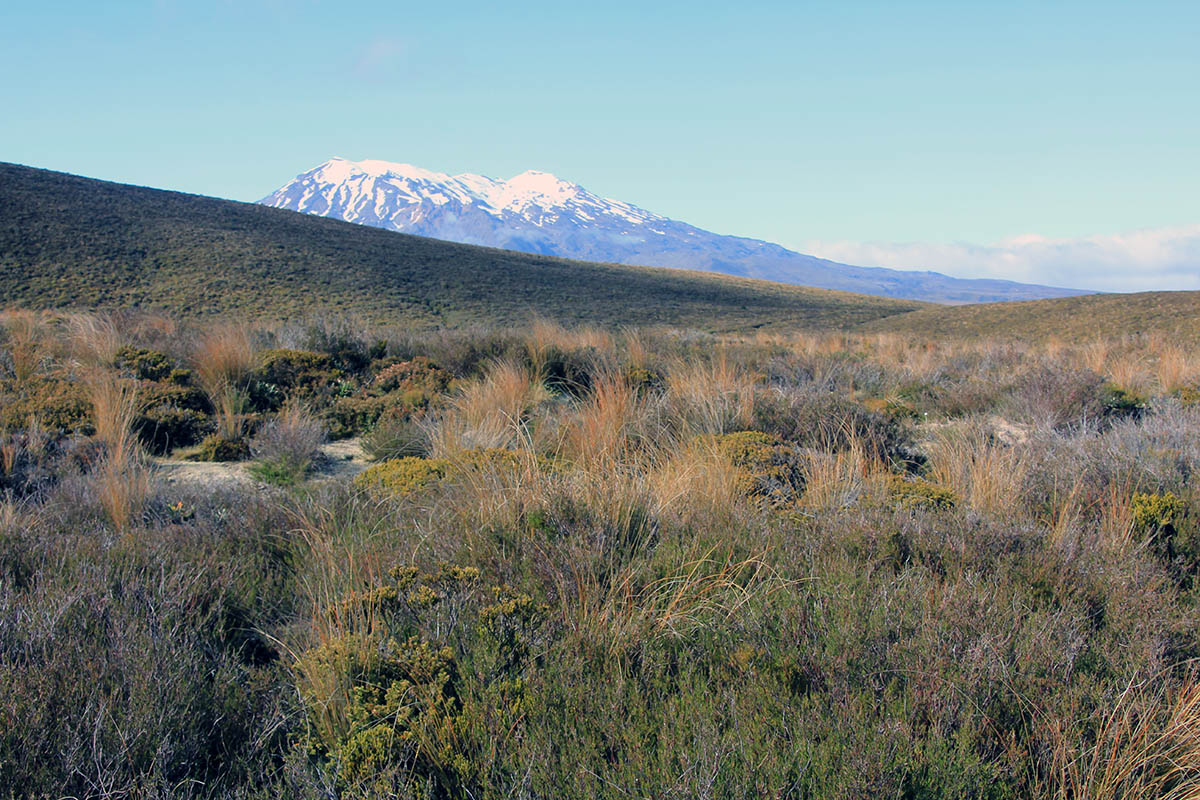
(1017, 139)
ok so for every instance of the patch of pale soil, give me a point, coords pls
(1009, 433)
(342, 459)
(209, 474)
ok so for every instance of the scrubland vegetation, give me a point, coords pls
(595, 563)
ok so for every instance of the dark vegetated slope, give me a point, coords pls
(67, 241)
(1069, 318)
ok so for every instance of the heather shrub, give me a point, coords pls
(133, 667)
(1061, 397)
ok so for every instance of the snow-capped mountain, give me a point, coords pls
(536, 212)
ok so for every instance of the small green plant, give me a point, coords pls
(1156, 512)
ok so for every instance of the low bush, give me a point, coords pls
(912, 493)
(400, 391)
(768, 467)
(219, 448)
(831, 423)
(59, 404)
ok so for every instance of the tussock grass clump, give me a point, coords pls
(988, 475)
(490, 412)
(711, 396)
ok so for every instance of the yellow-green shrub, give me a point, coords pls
(768, 467)
(918, 493)
(1157, 511)
(59, 404)
(401, 477)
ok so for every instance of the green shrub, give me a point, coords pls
(418, 373)
(768, 467)
(163, 428)
(1155, 512)
(60, 405)
(917, 493)
(645, 381)
(217, 448)
(401, 477)
(399, 390)
(1121, 403)
(171, 415)
(146, 365)
(283, 374)
(832, 423)
(384, 707)
(282, 471)
(570, 372)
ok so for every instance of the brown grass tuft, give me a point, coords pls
(1147, 748)
(93, 339)
(28, 337)
(711, 397)
(121, 479)
(988, 475)
(490, 412)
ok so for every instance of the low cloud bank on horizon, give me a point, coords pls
(1140, 261)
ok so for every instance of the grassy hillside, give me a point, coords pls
(67, 241)
(1070, 318)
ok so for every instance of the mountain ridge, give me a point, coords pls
(538, 212)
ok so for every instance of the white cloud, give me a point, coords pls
(1145, 260)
